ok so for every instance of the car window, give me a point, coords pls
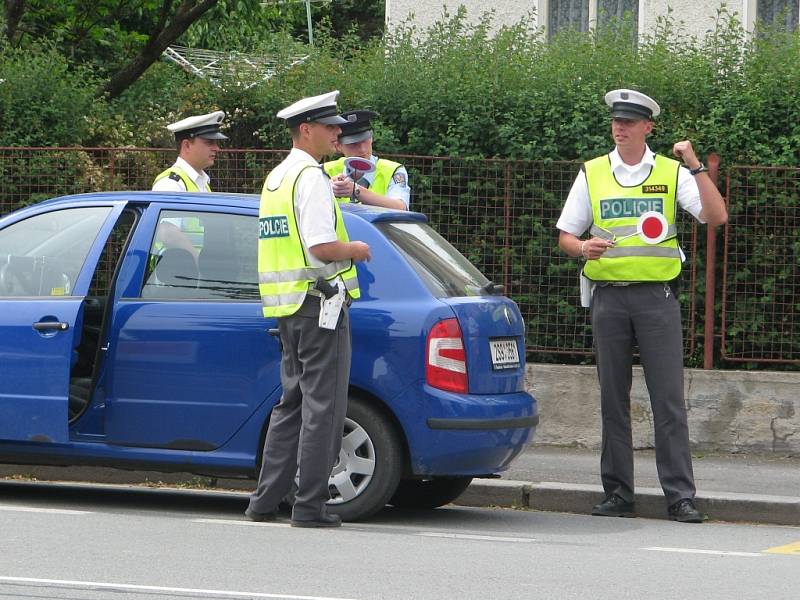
(43, 255)
(443, 269)
(203, 255)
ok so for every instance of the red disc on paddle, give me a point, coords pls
(652, 227)
(356, 163)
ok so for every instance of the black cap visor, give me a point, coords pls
(334, 120)
(354, 138)
(627, 110)
(327, 115)
(207, 132)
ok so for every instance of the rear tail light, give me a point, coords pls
(446, 366)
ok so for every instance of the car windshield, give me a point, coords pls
(445, 271)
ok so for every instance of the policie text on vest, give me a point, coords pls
(616, 208)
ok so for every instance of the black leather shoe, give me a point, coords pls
(614, 506)
(685, 511)
(259, 517)
(323, 521)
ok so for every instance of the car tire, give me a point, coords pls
(430, 493)
(370, 463)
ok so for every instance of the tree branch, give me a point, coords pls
(166, 32)
(14, 9)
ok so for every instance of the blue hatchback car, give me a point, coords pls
(131, 336)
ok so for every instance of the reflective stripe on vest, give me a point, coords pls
(384, 171)
(190, 185)
(284, 273)
(616, 210)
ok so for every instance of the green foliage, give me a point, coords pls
(43, 101)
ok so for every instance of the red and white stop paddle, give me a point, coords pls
(356, 167)
(652, 228)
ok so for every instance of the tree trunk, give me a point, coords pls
(165, 33)
(13, 13)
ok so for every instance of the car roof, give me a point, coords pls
(369, 213)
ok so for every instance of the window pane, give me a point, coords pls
(443, 269)
(778, 12)
(568, 14)
(209, 256)
(43, 255)
(615, 10)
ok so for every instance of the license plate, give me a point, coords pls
(504, 353)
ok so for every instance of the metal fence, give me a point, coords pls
(760, 312)
(501, 214)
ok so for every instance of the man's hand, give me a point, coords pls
(685, 152)
(595, 247)
(360, 251)
(342, 186)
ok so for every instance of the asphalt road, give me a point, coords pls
(91, 542)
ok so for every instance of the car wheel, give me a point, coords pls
(369, 466)
(431, 493)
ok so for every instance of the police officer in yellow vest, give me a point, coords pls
(630, 281)
(197, 139)
(303, 252)
(386, 186)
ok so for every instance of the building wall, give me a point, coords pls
(697, 16)
(507, 12)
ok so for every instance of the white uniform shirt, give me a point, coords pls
(576, 216)
(313, 202)
(201, 179)
(398, 186)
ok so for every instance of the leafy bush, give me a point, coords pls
(43, 101)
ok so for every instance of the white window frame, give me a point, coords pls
(543, 15)
(749, 12)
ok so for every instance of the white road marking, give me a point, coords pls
(156, 588)
(54, 511)
(243, 522)
(697, 551)
(484, 538)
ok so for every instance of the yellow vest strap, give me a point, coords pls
(659, 251)
(306, 274)
(609, 233)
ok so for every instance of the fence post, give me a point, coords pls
(507, 226)
(711, 263)
(111, 167)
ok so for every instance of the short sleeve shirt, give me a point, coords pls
(313, 202)
(201, 179)
(576, 216)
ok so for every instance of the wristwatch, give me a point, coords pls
(356, 191)
(701, 169)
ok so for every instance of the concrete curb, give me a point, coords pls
(579, 499)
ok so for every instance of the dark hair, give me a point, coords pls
(295, 131)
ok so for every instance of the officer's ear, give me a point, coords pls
(304, 129)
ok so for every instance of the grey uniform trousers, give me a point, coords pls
(315, 371)
(647, 315)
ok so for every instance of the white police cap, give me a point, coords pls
(319, 109)
(202, 126)
(630, 104)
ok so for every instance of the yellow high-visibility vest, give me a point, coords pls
(284, 273)
(384, 171)
(190, 185)
(616, 210)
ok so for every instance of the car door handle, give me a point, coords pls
(274, 332)
(50, 326)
